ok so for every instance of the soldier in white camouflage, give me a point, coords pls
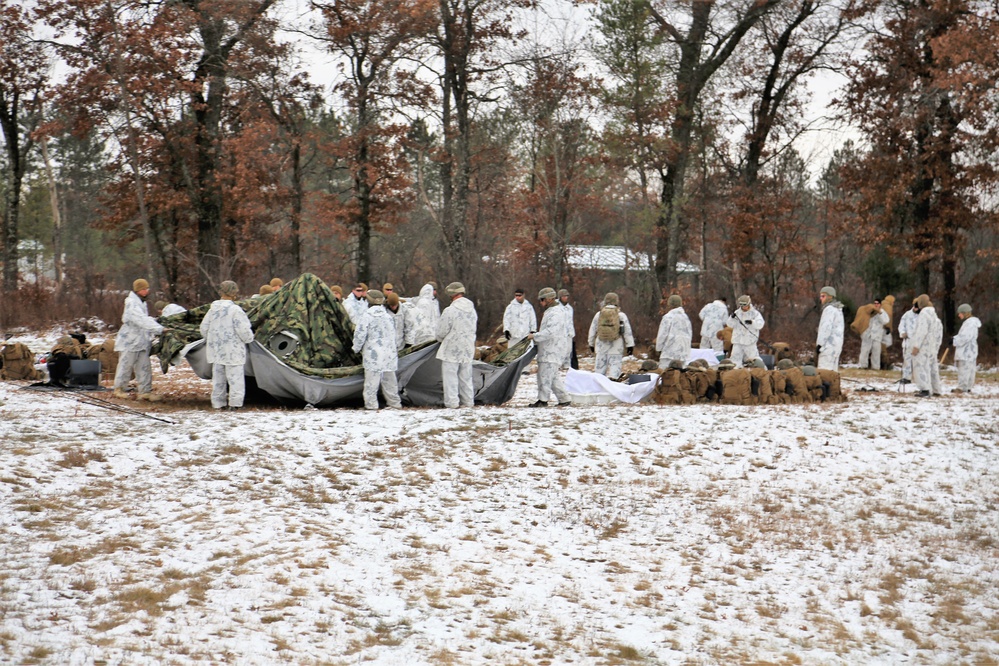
(356, 303)
(456, 333)
(675, 334)
(926, 340)
(829, 341)
(713, 317)
(553, 341)
(610, 337)
(227, 331)
(133, 344)
(424, 316)
(966, 348)
(375, 339)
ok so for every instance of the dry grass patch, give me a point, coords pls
(145, 599)
(70, 556)
(78, 457)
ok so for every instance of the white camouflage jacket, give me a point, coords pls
(713, 317)
(744, 333)
(553, 338)
(456, 331)
(423, 317)
(966, 340)
(137, 328)
(674, 338)
(907, 326)
(226, 330)
(400, 320)
(355, 307)
(375, 340)
(831, 327)
(928, 335)
(519, 319)
(875, 329)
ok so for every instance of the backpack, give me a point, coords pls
(18, 362)
(608, 324)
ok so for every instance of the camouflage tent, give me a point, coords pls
(302, 321)
(301, 352)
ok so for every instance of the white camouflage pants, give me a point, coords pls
(926, 371)
(828, 360)
(458, 388)
(609, 354)
(742, 353)
(550, 379)
(906, 360)
(712, 342)
(389, 385)
(870, 348)
(228, 385)
(137, 362)
(966, 374)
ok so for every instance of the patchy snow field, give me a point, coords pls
(856, 533)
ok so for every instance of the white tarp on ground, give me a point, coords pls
(708, 355)
(583, 383)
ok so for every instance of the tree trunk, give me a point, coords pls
(298, 197)
(56, 214)
(456, 164)
(16, 165)
(133, 153)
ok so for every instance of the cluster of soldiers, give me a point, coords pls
(384, 324)
(921, 332)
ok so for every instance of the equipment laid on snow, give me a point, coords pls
(85, 396)
(302, 352)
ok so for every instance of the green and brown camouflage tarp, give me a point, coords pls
(304, 306)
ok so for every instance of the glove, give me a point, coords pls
(818, 350)
(592, 349)
(506, 334)
(631, 350)
(747, 322)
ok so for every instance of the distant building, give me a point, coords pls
(617, 258)
(33, 263)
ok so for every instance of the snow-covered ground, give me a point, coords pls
(857, 533)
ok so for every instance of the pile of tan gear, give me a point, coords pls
(728, 385)
(17, 363)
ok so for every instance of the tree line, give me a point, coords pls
(479, 140)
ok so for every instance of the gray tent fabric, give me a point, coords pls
(286, 384)
(302, 353)
(493, 384)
